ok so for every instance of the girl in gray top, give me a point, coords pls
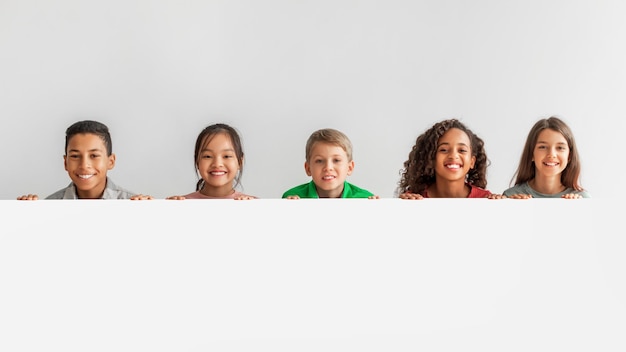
(549, 166)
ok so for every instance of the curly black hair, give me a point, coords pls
(419, 169)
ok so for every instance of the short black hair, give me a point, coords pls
(90, 126)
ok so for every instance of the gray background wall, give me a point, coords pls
(381, 71)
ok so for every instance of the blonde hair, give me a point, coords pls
(331, 136)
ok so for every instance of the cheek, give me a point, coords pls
(566, 157)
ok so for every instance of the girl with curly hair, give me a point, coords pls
(447, 161)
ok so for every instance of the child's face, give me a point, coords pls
(218, 165)
(87, 163)
(551, 153)
(454, 156)
(329, 167)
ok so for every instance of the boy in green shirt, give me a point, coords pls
(329, 162)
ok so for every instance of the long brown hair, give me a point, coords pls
(570, 177)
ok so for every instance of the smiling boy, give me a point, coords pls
(328, 162)
(88, 157)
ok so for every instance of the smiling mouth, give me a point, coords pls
(218, 173)
(453, 166)
(85, 177)
(328, 178)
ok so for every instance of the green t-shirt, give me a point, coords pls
(308, 190)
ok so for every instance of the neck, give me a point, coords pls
(217, 191)
(547, 185)
(95, 193)
(333, 193)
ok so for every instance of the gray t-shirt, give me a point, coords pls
(525, 188)
(111, 191)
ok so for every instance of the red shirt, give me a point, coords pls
(475, 192)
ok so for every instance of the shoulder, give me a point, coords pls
(583, 193)
(64, 193)
(195, 195)
(517, 189)
(301, 190)
(352, 191)
(113, 191)
(477, 192)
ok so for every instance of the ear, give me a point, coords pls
(473, 162)
(350, 167)
(111, 162)
(65, 162)
(307, 168)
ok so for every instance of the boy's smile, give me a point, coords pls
(86, 162)
(329, 167)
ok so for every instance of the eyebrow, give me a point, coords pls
(332, 156)
(223, 150)
(89, 151)
(544, 142)
(446, 143)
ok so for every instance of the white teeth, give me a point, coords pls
(218, 173)
(453, 166)
(552, 164)
(85, 176)
(328, 177)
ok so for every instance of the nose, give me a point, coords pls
(217, 160)
(328, 165)
(552, 152)
(454, 154)
(85, 163)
